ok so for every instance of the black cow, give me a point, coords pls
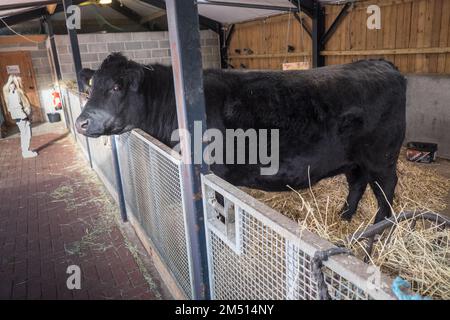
(346, 119)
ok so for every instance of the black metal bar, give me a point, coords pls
(223, 49)
(204, 21)
(303, 24)
(229, 34)
(340, 17)
(248, 5)
(307, 6)
(51, 35)
(224, 39)
(23, 16)
(379, 227)
(188, 81)
(76, 56)
(318, 28)
(118, 176)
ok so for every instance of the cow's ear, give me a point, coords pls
(86, 76)
(136, 79)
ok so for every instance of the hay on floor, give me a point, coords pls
(414, 254)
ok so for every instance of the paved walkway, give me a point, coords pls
(55, 213)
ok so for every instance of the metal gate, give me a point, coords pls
(256, 253)
(151, 177)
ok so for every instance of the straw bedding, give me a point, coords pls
(420, 255)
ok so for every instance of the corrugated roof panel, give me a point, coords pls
(225, 14)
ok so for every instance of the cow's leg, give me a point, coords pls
(383, 185)
(357, 180)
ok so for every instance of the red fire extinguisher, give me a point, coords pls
(56, 100)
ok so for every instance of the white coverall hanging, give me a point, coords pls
(19, 108)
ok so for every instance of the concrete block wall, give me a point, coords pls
(428, 111)
(42, 69)
(142, 47)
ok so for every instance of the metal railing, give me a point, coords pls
(254, 252)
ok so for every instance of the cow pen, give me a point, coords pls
(257, 254)
(209, 239)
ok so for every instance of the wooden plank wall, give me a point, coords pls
(414, 34)
(269, 39)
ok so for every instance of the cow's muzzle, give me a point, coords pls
(82, 125)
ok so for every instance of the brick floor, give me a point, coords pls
(54, 213)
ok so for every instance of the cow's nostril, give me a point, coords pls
(84, 124)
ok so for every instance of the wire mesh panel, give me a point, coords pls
(256, 253)
(102, 158)
(75, 107)
(151, 175)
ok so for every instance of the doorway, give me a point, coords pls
(19, 62)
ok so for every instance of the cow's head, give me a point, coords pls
(116, 102)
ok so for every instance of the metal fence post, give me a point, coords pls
(188, 80)
(118, 176)
(77, 62)
(318, 29)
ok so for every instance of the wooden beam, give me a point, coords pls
(386, 52)
(337, 21)
(270, 55)
(303, 24)
(51, 8)
(5, 40)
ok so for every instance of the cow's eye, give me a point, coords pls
(116, 87)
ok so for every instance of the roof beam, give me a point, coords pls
(27, 15)
(204, 21)
(153, 16)
(26, 4)
(303, 24)
(248, 5)
(306, 6)
(23, 16)
(127, 12)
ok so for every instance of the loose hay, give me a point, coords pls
(88, 190)
(415, 255)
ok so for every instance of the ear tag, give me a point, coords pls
(90, 82)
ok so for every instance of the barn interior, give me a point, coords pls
(36, 44)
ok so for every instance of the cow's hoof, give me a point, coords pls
(346, 214)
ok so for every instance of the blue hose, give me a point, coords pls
(399, 286)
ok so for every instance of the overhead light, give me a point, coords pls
(105, 1)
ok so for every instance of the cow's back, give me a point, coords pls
(328, 118)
